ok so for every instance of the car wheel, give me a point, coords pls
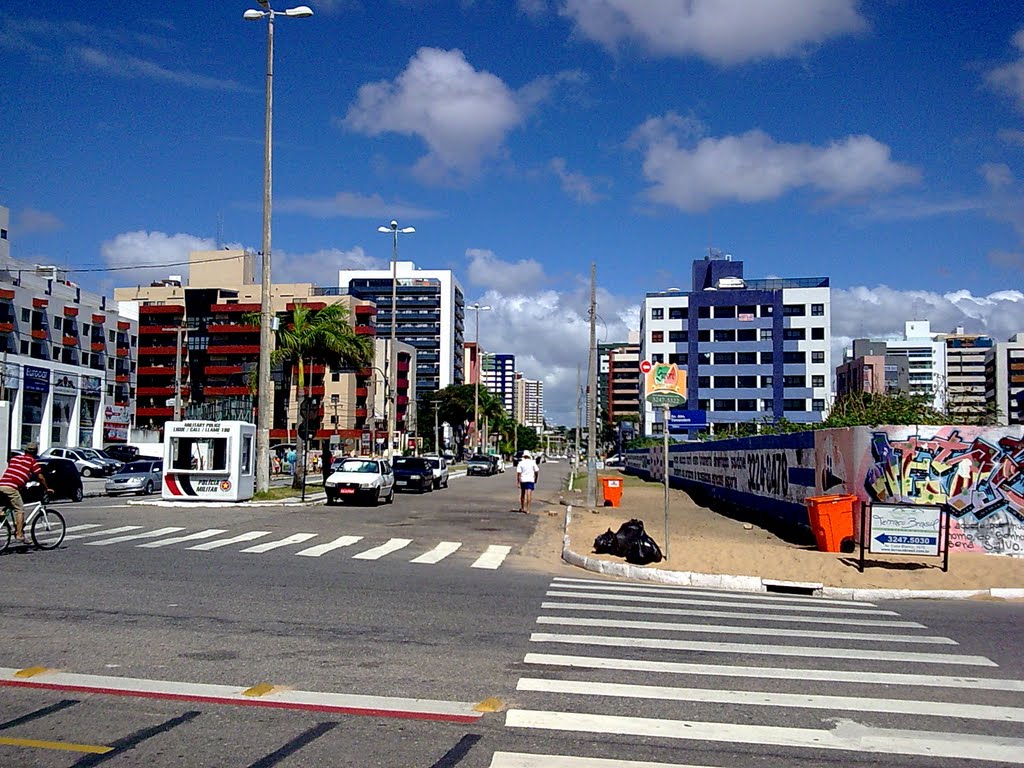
(391, 496)
(78, 495)
(330, 500)
(87, 472)
(148, 489)
(376, 497)
(446, 482)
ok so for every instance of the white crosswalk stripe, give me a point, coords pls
(209, 539)
(825, 691)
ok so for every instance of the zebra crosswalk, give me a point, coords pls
(256, 542)
(627, 672)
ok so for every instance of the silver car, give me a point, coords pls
(141, 477)
(440, 469)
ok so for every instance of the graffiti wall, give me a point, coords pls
(977, 472)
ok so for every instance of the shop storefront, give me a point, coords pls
(65, 398)
(36, 391)
(89, 410)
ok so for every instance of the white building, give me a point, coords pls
(1004, 374)
(926, 356)
(529, 403)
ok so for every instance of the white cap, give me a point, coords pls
(527, 455)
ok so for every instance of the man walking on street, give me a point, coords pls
(20, 470)
(527, 475)
(325, 463)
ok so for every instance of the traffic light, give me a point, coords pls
(308, 418)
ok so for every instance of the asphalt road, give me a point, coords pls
(580, 669)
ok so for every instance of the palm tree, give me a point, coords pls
(322, 336)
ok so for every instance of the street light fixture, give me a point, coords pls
(478, 308)
(265, 403)
(394, 231)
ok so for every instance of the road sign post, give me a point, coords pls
(905, 529)
(664, 385)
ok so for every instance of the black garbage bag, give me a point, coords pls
(643, 551)
(631, 542)
(607, 544)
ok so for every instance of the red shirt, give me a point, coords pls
(20, 470)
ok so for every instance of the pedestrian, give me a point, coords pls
(276, 464)
(325, 463)
(20, 469)
(527, 475)
(290, 457)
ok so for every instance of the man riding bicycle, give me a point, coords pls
(20, 469)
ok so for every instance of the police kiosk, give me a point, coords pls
(209, 460)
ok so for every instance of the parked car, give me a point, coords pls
(62, 477)
(413, 473)
(87, 467)
(481, 465)
(613, 461)
(142, 477)
(122, 452)
(439, 468)
(109, 461)
(355, 479)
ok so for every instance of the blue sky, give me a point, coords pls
(880, 143)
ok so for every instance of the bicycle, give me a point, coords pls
(47, 526)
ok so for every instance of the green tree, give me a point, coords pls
(857, 409)
(318, 336)
(455, 407)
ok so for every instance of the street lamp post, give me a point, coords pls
(478, 308)
(394, 231)
(265, 403)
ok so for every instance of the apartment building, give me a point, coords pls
(965, 380)
(871, 367)
(68, 359)
(529, 403)
(1004, 379)
(926, 359)
(753, 349)
(619, 386)
(198, 337)
(430, 310)
(498, 374)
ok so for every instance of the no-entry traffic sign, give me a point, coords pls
(645, 366)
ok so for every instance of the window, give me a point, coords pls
(24, 351)
(725, 335)
(113, 337)
(703, 335)
(794, 381)
(766, 334)
(725, 311)
(747, 382)
(58, 322)
(767, 358)
(679, 358)
(725, 358)
(767, 381)
(678, 336)
(794, 310)
(704, 381)
(747, 358)
(656, 338)
(747, 309)
(746, 405)
(677, 313)
(794, 358)
(767, 310)
(659, 358)
(794, 404)
(725, 382)
(704, 405)
(816, 381)
(725, 405)
(703, 311)
(657, 313)
(794, 334)
(746, 334)
(818, 334)
(817, 357)
(817, 310)
(703, 358)
(26, 316)
(817, 405)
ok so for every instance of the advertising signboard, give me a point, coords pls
(905, 529)
(665, 384)
(36, 379)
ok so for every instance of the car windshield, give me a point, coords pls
(435, 463)
(357, 465)
(136, 468)
(406, 463)
(480, 457)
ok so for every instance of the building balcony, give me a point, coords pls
(156, 412)
(6, 327)
(123, 325)
(226, 391)
(164, 391)
(122, 352)
(403, 365)
(38, 303)
(235, 308)
(160, 309)
(401, 383)
(232, 328)
(154, 330)
(157, 351)
(7, 294)
(98, 318)
(122, 378)
(362, 392)
(310, 370)
(99, 346)
(364, 372)
(70, 341)
(224, 370)
(70, 311)
(161, 370)
(366, 330)
(39, 333)
(234, 349)
(365, 309)
(313, 305)
(402, 400)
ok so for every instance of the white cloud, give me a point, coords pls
(532, 7)
(579, 187)
(321, 267)
(996, 175)
(723, 31)
(486, 270)
(461, 113)
(1011, 136)
(132, 67)
(753, 167)
(33, 220)
(141, 257)
(1009, 78)
(353, 205)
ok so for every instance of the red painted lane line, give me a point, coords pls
(362, 711)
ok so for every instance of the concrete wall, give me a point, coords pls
(978, 472)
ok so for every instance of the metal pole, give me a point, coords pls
(265, 404)
(664, 416)
(393, 351)
(437, 429)
(591, 394)
(178, 332)
(476, 383)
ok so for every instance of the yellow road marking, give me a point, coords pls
(94, 749)
(493, 704)
(30, 671)
(258, 690)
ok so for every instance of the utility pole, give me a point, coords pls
(437, 428)
(591, 393)
(178, 331)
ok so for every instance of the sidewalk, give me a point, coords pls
(709, 549)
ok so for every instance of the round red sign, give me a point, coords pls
(645, 366)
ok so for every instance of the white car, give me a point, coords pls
(440, 469)
(358, 479)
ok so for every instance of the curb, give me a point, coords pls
(758, 584)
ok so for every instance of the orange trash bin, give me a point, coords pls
(831, 519)
(612, 489)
